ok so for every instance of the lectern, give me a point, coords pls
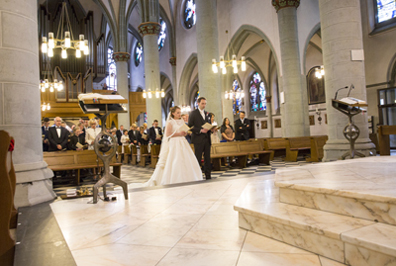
(105, 144)
(351, 131)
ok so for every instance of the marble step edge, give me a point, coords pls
(318, 222)
(373, 236)
(336, 192)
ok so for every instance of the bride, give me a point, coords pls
(177, 162)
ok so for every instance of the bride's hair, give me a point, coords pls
(173, 110)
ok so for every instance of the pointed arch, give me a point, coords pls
(185, 79)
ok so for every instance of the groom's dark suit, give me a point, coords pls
(200, 140)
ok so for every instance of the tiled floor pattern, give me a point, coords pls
(185, 225)
(135, 174)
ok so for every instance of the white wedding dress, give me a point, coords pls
(177, 162)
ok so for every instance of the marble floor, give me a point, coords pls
(193, 224)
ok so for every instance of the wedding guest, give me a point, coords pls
(143, 137)
(134, 135)
(57, 136)
(242, 126)
(227, 131)
(214, 137)
(44, 133)
(119, 133)
(91, 134)
(74, 139)
(155, 133)
(63, 124)
(125, 140)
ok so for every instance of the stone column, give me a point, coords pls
(150, 32)
(20, 99)
(208, 49)
(121, 59)
(339, 37)
(295, 120)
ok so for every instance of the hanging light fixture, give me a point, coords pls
(149, 94)
(231, 95)
(45, 107)
(64, 38)
(223, 64)
(319, 72)
(49, 81)
(185, 109)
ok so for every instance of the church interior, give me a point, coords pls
(311, 185)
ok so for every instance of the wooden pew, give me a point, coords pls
(120, 154)
(239, 149)
(144, 155)
(383, 138)
(127, 152)
(317, 143)
(77, 160)
(278, 145)
(295, 145)
(154, 152)
(227, 149)
(7, 243)
(134, 152)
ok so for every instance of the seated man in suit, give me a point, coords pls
(119, 134)
(57, 136)
(155, 133)
(44, 133)
(242, 126)
(134, 135)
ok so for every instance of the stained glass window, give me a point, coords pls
(138, 53)
(257, 94)
(162, 35)
(238, 97)
(111, 79)
(196, 100)
(189, 14)
(386, 10)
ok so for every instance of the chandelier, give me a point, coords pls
(223, 64)
(149, 94)
(49, 81)
(45, 107)
(64, 39)
(186, 109)
(234, 95)
(319, 72)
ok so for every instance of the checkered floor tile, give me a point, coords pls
(135, 174)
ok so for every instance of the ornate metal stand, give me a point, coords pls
(105, 145)
(351, 131)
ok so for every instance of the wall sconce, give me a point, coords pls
(318, 112)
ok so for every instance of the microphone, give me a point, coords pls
(335, 97)
(350, 88)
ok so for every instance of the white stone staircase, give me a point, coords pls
(342, 210)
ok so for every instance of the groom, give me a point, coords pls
(201, 137)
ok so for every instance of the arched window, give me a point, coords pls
(257, 94)
(386, 10)
(162, 35)
(111, 79)
(196, 100)
(238, 99)
(189, 15)
(138, 53)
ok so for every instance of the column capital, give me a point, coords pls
(172, 61)
(268, 99)
(121, 56)
(279, 4)
(150, 28)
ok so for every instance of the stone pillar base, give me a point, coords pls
(333, 150)
(33, 186)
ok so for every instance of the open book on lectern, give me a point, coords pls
(352, 101)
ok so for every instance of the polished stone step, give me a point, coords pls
(362, 188)
(345, 239)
